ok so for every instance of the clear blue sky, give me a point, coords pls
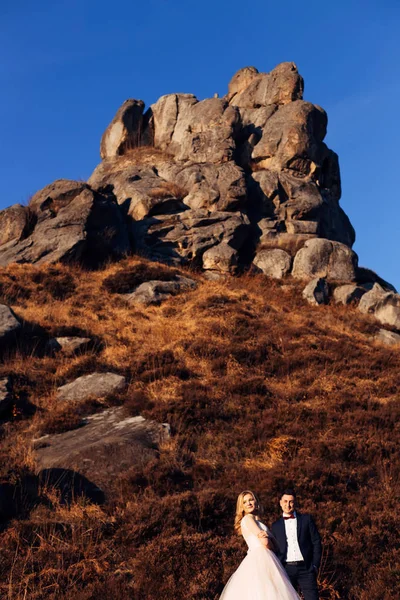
(67, 65)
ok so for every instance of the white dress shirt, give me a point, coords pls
(293, 548)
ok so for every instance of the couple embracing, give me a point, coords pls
(278, 560)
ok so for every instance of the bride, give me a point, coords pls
(260, 575)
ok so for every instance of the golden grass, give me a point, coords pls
(260, 390)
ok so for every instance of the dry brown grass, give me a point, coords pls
(260, 390)
(168, 189)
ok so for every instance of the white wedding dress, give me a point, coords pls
(260, 575)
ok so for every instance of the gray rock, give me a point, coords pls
(184, 237)
(384, 305)
(292, 139)
(241, 80)
(127, 130)
(166, 112)
(48, 201)
(97, 385)
(347, 294)
(387, 337)
(107, 445)
(323, 258)
(214, 187)
(222, 258)
(69, 345)
(89, 227)
(372, 298)
(317, 291)
(273, 263)
(155, 292)
(282, 85)
(387, 310)
(302, 227)
(197, 131)
(5, 394)
(9, 324)
(14, 223)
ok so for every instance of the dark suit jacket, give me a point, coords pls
(307, 536)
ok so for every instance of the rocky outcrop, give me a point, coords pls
(74, 223)
(95, 385)
(106, 445)
(218, 183)
(185, 237)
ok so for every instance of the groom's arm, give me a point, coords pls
(316, 543)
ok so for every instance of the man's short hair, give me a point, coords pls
(288, 492)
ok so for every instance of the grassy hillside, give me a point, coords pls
(260, 389)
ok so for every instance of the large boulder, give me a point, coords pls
(14, 223)
(97, 385)
(129, 129)
(323, 258)
(292, 139)
(384, 305)
(250, 89)
(348, 294)
(9, 324)
(221, 258)
(388, 311)
(197, 131)
(48, 201)
(372, 298)
(85, 226)
(274, 263)
(106, 445)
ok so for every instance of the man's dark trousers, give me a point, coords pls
(302, 577)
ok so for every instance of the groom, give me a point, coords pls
(299, 546)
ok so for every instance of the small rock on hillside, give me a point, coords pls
(317, 291)
(97, 385)
(387, 337)
(155, 292)
(5, 394)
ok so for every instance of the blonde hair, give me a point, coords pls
(240, 512)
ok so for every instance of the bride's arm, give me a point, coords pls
(252, 526)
